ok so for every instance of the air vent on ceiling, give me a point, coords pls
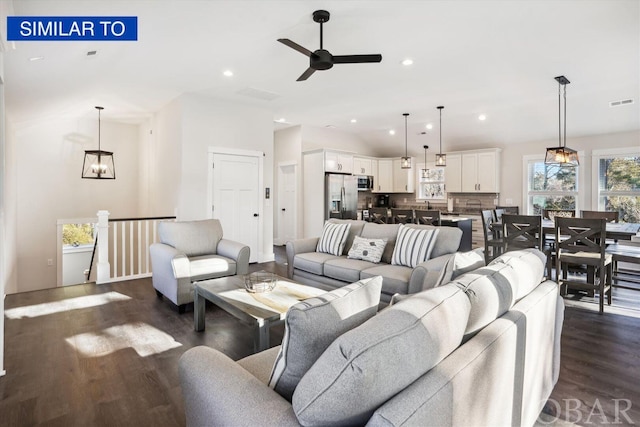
(621, 103)
(92, 52)
(258, 94)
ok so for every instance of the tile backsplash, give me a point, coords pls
(461, 202)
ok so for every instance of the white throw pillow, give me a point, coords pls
(367, 249)
(313, 324)
(333, 238)
(413, 245)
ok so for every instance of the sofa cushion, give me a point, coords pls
(313, 324)
(313, 262)
(347, 270)
(458, 264)
(395, 278)
(210, 266)
(355, 229)
(413, 246)
(366, 366)
(382, 231)
(448, 240)
(333, 238)
(367, 249)
(529, 264)
(192, 238)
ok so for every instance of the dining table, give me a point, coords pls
(615, 230)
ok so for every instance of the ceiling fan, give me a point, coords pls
(322, 59)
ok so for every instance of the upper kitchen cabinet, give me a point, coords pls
(473, 171)
(453, 174)
(362, 166)
(336, 161)
(403, 179)
(384, 177)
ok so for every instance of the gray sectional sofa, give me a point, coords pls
(325, 271)
(483, 349)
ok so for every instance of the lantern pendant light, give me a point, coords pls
(98, 164)
(425, 171)
(405, 162)
(441, 159)
(562, 155)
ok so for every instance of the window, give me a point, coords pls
(77, 234)
(431, 187)
(618, 183)
(550, 186)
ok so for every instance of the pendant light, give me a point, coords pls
(405, 162)
(425, 171)
(441, 159)
(98, 164)
(562, 155)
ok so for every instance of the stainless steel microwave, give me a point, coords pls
(365, 183)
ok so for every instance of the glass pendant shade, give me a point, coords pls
(562, 155)
(441, 159)
(424, 173)
(98, 164)
(405, 162)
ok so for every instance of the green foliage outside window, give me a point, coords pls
(77, 234)
(619, 186)
(546, 178)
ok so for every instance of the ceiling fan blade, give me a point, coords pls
(356, 59)
(296, 46)
(306, 74)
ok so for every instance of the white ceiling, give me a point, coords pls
(498, 58)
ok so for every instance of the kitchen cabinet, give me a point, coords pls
(362, 166)
(335, 161)
(384, 176)
(453, 174)
(403, 181)
(473, 171)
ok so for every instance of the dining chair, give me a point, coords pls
(581, 242)
(610, 216)
(430, 217)
(402, 216)
(525, 231)
(493, 245)
(511, 210)
(378, 215)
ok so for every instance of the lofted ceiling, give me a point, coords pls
(492, 57)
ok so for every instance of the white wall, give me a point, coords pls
(314, 137)
(3, 217)
(46, 164)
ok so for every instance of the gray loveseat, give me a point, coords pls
(481, 350)
(329, 272)
(189, 251)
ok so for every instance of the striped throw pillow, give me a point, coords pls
(413, 245)
(333, 238)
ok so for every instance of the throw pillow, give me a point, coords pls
(313, 324)
(458, 264)
(367, 249)
(413, 245)
(369, 364)
(333, 238)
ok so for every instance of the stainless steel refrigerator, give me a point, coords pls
(341, 196)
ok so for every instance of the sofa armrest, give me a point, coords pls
(163, 256)
(425, 274)
(299, 246)
(219, 392)
(239, 252)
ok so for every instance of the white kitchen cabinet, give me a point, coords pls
(335, 161)
(473, 172)
(384, 176)
(403, 180)
(453, 174)
(362, 166)
(374, 173)
(469, 172)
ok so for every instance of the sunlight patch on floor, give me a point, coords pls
(76, 303)
(143, 338)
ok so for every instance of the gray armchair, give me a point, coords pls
(190, 251)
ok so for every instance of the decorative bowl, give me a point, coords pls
(260, 281)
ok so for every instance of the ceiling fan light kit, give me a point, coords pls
(441, 159)
(322, 59)
(405, 162)
(562, 155)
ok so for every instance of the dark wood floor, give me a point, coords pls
(107, 355)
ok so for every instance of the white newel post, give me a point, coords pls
(104, 269)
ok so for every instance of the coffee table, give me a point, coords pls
(259, 310)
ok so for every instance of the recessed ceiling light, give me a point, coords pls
(354, 121)
(392, 132)
(407, 62)
(228, 73)
(429, 126)
(36, 58)
(482, 117)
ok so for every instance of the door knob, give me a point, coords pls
(255, 214)
(283, 209)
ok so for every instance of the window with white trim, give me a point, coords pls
(618, 183)
(550, 186)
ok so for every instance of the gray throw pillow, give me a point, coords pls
(368, 365)
(333, 238)
(413, 246)
(367, 249)
(313, 324)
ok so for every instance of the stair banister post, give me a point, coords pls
(104, 269)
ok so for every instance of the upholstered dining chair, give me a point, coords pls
(378, 215)
(430, 217)
(525, 231)
(402, 216)
(581, 242)
(493, 245)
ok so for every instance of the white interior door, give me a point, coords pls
(287, 196)
(236, 197)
